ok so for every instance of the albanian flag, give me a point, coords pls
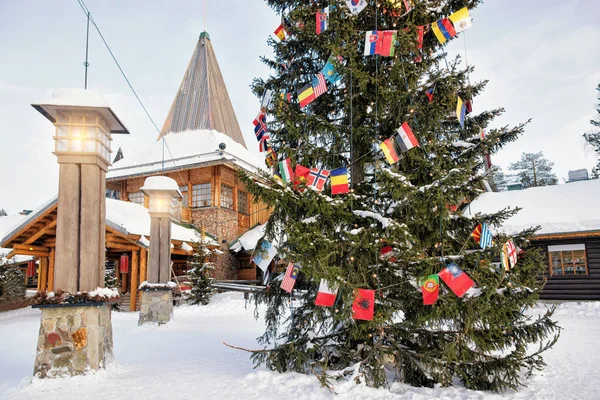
(364, 304)
(430, 287)
(456, 279)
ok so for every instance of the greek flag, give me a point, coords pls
(486, 236)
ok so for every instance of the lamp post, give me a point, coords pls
(76, 339)
(157, 298)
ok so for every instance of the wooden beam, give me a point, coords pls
(51, 270)
(135, 266)
(26, 227)
(143, 269)
(122, 246)
(30, 247)
(181, 252)
(27, 253)
(41, 232)
(117, 239)
(43, 277)
(133, 237)
(177, 243)
(50, 242)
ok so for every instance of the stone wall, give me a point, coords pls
(157, 306)
(12, 284)
(73, 340)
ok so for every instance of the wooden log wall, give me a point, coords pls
(572, 287)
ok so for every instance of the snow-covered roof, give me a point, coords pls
(7, 223)
(126, 217)
(248, 240)
(187, 149)
(567, 208)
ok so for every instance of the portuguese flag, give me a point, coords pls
(430, 287)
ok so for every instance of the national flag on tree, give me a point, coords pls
(486, 236)
(429, 93)
(509, 255)
(260, 125)
(322, 20)
(461, 19)
(285, 169)
(456, 279)
(289, 279)
(270, 157)
(263, 144)
(430, 288)
(420, 32)
(326, 295)
(263, 254)
(371, 38)
(265, 102)
(390, 150)
(319, 85)
(339, 181)
(356, 6)
(380, 42)
(306, 95)
(460, 112)
(405, 138)
(300, 176)
(280, 32)
(385, 252)
(363, 307)
(443, 30)
(317, 178)
(330, 73)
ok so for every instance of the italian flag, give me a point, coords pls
(287, 174)
(326, 296)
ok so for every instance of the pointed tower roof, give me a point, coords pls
(202, 101)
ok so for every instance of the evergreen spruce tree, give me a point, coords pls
(533, 169)
(483, 338)
(593, 138)
(199, 273)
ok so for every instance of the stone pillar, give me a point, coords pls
(75, 338)
(157, 298)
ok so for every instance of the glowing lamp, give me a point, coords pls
(163, 195)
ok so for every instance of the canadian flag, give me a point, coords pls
(327, 294)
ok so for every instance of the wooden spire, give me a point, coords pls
(202, 101)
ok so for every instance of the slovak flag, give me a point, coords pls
(326, 295)
(317, 178)
(371, 39)
(322, 20)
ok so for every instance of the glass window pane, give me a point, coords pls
(202, 195)
(226, 196)
(136, 197)
(243, 202)
(568, 261)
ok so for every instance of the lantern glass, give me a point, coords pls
(84, 133)
(161, 202)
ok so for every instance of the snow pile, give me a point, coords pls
(249, 240)
(106, 293)
(187, 357)
(571, 207)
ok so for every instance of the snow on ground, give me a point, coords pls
(186, 359)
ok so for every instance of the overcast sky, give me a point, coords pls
(542, 59)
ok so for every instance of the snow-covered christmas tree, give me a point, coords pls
(377, 146)
(199, 273)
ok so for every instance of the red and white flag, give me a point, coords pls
(317, 178)
(289, 280)
(326, 295)
(319, 85)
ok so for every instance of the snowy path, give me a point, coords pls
(187, 359)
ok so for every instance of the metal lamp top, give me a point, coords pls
(80, 100)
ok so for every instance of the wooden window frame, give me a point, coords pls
(209, 198)
(221, 202)
(564, 250)
(243, 194)
(185, 193)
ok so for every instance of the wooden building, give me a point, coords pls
(569, 219)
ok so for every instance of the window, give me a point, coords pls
(184, 192)
(113, 194)
(567, 259)
(226, 196)
(136, 197)
(201, 195)
(243, 202)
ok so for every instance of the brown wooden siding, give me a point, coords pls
(573, 287)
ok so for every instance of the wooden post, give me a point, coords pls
(66, 273)
(143, 268)
(51, 270)
(135, 266)
(43, 278)
(123, 282)
(89, 249)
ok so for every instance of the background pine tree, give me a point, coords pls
(593, 138)
(481, 339)
(533, 169)
(199, 274)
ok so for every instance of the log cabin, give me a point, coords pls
(568, 216)
(201, 147)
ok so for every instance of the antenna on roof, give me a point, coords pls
(204, 15)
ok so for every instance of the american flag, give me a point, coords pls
(319, 85)
(289, 280)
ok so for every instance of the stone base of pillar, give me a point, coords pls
(156, 306)
(73, 339)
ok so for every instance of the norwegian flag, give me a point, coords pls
(317, 178)
(289, 280)
(260, 125)
(319, 85)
